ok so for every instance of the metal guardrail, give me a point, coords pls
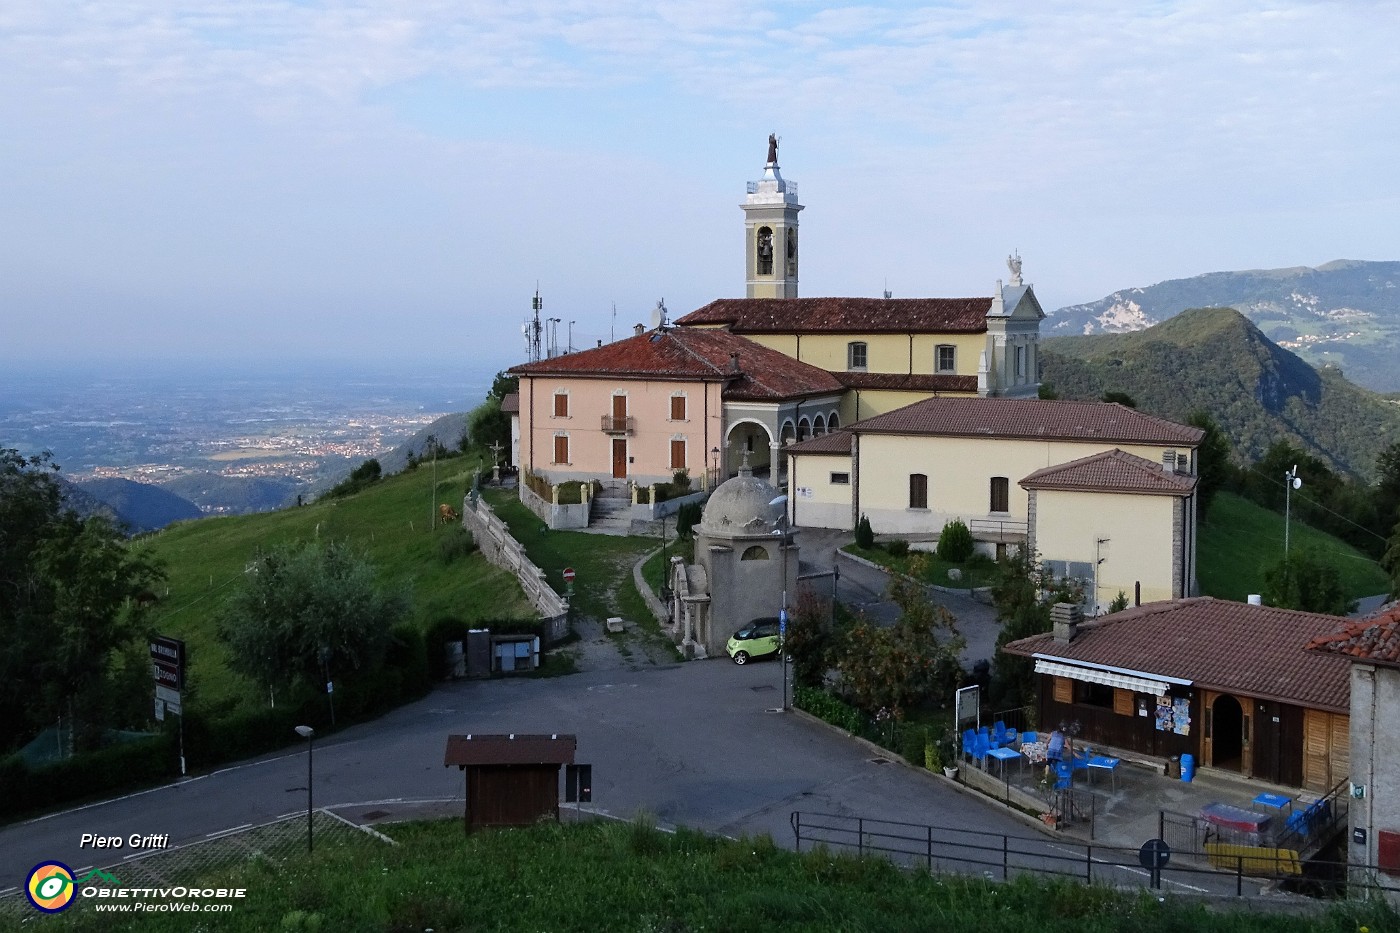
(1000, 856)
(1001, 529)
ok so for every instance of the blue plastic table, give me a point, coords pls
(1103, 763)
(1275, 802)
(1003, 755)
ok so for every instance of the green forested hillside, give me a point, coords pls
(390, 522)
(1215, 360)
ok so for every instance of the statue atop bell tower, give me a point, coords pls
(770, 232)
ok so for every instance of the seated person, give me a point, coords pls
(1055, 748)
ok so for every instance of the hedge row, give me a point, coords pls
(211, 740)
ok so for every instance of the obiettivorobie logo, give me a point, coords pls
(51, 886)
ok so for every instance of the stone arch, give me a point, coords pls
(746, 435)
(833, 421)
(819, 425)
(804, 428)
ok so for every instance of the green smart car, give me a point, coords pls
(758, 639)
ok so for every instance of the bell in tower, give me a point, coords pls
(770, 232)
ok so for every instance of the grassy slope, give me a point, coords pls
(606, 876)
(603, 564)
(1240, 540)
(388, 521)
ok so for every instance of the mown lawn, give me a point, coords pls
(930, 568)
(389, 521)
(629, 877)
(602, 564)
(1241, 540)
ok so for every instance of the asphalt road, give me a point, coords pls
(697, 744)
(692, 744)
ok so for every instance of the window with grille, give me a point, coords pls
(918, 491)
(945, 358)
(855, 355)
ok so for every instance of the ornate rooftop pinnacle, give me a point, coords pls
(1013, 262)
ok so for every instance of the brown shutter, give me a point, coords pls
(561, 448)
(677, 408)
(1341, 748)
(561, 404)
(1122, 701)
(678, 455)
(1317, 740)
(1064, 690)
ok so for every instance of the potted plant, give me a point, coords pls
(947, 748)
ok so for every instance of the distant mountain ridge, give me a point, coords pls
(1344, 313)
(1217, 360)
(139, 506)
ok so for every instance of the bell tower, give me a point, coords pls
(770, 232)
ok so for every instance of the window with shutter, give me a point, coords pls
(678, 455)
(678, 408)
(561, 404)
(561, 448)
(918, 491)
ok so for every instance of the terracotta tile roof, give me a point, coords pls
(1259, 651)
(918, 382)
(837, 442)
(694, 354)
(510, 403)
(518, 749)
(1030, 418)
(1375, 639)
(1112, 470)
(845, 315)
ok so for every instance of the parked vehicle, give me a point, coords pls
(758, 639)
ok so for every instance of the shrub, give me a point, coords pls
(571, 492)
(955, 543)
(458, 542)
(829, 709)
(687, 517)
(897, 548)
(865, 535)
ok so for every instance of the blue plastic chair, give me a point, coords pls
(1029, 737)
(999, 731)
(969, 743)
(980, 748)
(1063, 770)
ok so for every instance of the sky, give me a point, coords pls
(287, 179)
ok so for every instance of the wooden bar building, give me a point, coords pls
(1231, 683)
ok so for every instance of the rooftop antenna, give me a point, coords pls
(888, 294)
(534, 327)
(612, 328)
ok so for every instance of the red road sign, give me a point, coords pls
(568, 575)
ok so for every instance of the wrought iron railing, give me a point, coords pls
(613, 424)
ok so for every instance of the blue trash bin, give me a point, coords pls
(1188, 767)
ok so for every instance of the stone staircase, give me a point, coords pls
(611, 512)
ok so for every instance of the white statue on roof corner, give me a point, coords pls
(1013, 262)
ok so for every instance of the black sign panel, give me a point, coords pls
(168, 662)
(578, 783)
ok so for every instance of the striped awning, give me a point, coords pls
(1138, 683)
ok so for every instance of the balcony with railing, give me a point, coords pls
(612, 424)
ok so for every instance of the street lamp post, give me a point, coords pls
(1290, 483)
(783, 613)
(309, 734)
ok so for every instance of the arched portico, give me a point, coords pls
(751, 437)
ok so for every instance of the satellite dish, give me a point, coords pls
(1297, 483)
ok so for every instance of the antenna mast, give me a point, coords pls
(533, 328)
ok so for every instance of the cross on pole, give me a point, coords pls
(496, 447)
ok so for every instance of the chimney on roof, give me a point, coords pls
(734, 362)
(639, 329)
(1066, 618)
(1169, 461)
(1183, 463)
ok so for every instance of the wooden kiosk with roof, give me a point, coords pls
(512, 780)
